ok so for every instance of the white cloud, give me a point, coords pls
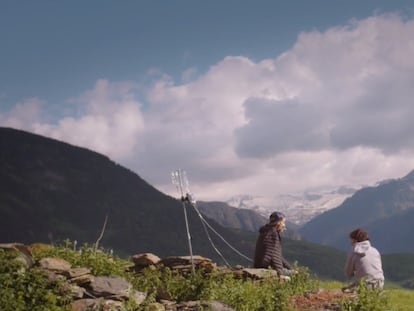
(335, 109)
(108, 119)
(22, 114)
(338, 102)
(348, 82)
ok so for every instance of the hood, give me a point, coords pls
(361, 248)
(265, 228)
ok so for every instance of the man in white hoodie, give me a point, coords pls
(363, 262)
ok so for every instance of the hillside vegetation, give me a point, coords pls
(31, 289)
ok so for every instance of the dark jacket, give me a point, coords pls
(269, 250)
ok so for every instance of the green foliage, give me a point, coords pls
(29, 290)
(187, 287)
(22, 290)
(367, 299)
(101, 262)
(247, 295)
(148, 281)
(302, 281)
(241, 294)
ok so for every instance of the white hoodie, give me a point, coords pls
(364, 261)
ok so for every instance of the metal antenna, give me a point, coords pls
(179, 179)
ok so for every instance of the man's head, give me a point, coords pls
(278, 219)
(359, 235)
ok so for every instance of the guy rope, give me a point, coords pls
(179, 179)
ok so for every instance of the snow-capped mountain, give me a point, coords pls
(299, 208)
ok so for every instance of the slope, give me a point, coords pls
(51, 190)
(386, 211)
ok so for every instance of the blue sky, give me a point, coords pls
(56, 49)
(258, 97)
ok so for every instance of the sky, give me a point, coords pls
(247, 97)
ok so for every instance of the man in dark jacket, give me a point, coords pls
(269, 246)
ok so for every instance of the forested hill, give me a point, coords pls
(50, 190)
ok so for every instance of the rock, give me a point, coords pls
(114, 287)
(23, 252)
(85, 304)
(76, 291)
(97, 304)
(138, 297)
(219, 306)
(201, 305)
(76, 272)
(189, 306)
(256, 273)
(184, 263)
(82, 280)
(54, 264)
(112, 305)
(145, 259)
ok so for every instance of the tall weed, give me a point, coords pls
(367, 299)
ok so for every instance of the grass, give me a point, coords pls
(399, 299)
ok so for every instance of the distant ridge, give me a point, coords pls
(386, 211)
(232, 217)
(241, 218)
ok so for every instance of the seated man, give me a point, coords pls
(363, 262)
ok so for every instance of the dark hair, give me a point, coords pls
(275, 217)
(359, 235)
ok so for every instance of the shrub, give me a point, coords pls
(241, 294)
(101, 262)
(367, 299)
(22, 290)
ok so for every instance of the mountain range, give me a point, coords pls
(241, 218)
(299, 208)
(386, 211)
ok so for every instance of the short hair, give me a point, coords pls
(359, 235)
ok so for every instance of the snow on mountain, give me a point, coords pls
(299, 208)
